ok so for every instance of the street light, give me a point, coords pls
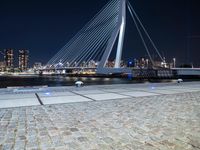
(130, 64)
(174, 62)
(147, 62)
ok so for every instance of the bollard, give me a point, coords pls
(79, 83)
(179, 80)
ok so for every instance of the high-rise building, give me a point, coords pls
(8, 58)
(2, 66)
(23, 59)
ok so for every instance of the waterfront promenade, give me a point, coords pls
(121, 117)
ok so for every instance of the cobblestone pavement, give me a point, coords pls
(146, 123)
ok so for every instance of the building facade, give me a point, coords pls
(2, 66)
(8, 59)
(23, 60)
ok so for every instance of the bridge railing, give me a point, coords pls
(153, 73)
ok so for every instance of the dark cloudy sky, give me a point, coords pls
(44, 26)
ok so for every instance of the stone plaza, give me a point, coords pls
(150, 116)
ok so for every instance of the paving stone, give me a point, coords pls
(19, 145)
(7, 146)
(82, 139)
(107, 96)
(64, 99)
(73, 129)
(169, 121)
(66, 133)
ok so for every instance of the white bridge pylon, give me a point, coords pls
(96, 40)
(120, 31)
(121, 34)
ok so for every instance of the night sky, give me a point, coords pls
(44, 27)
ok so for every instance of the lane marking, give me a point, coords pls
(83, 96)
(40, 101)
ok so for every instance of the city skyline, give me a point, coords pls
(46, 27)
(12, 59)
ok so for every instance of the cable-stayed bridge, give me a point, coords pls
(97, 39)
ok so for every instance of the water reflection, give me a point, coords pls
(61, 81)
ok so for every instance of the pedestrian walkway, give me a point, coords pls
(18, 97)
(112, 117)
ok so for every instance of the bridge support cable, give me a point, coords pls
(78, 35)
(141, 36)
(108, 12)
(84, 41)
(119, 28)
(88, 41)
(94, 56)
(96, 40)
(102, 35)
(98, 37)
(95, 36)
(132, 11)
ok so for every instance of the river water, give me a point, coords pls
(10, 81)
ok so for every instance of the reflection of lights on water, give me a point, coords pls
(130, 76)
(83, 79)
(93, 79)
(153, 88)
(67, 78)
(107, 79)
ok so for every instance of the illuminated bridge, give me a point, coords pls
(97, 39)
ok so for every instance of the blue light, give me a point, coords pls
(48, 93)
(153, 88)
(130, 76)
(130, 62)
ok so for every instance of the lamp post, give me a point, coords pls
(147, 63)
(174, 62)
